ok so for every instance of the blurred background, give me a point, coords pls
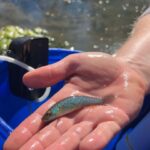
(87, 25)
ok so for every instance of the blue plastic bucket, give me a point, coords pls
(138, 138)
(13, 110)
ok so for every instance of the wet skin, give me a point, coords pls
(88, 74)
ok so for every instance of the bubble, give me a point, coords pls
(52, 14)
(88, 29)
(88, 15)
(52, 39)
(47, 13)
(95, 46)
(100, 2)
(104, 8)
(124, 7)
(72, 48)
(127, 4)
(101, 39)
(143, 8)
(107, 1)
(136, 8)
(106, 46)
(68, 1)
(118, 15)
(66, 43)
(97, 14)
(106, 29)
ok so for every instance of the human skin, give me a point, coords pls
(125, 75)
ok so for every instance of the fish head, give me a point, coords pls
(48, 116)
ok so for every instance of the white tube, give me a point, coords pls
(28, 68)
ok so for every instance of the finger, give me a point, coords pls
(48, 134)
(31, 125)
(50, 74)
(23, 132)
(100, 137)
(38, 142)
(71, 139)
(105, 113)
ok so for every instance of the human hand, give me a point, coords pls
(91, 74)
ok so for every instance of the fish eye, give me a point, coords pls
(48, 113)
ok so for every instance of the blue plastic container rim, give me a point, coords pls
(59, 53)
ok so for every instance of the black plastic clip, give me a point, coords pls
(33, 52)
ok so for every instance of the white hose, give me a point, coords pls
(28, 68)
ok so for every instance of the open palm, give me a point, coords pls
(91, 128)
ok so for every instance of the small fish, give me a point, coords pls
(69, 105)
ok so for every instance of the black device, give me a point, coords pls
(33, 52)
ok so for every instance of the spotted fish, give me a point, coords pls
(69, 105)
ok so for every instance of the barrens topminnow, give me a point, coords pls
(69, 105)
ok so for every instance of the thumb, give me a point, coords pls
(50, 74)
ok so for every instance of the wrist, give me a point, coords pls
(138, 62)
(136, 51)
(139, 70)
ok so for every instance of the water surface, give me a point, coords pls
(88, 25)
